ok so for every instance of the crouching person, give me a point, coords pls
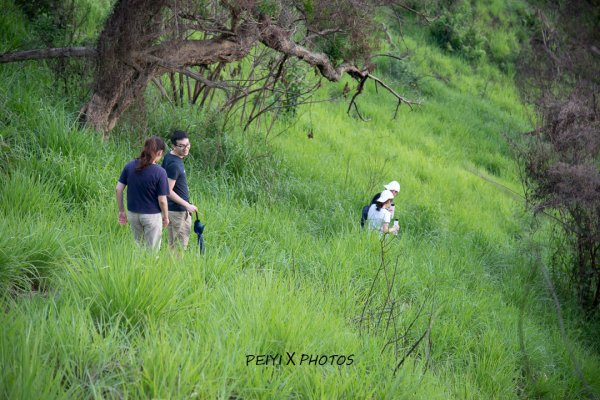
(379, 216)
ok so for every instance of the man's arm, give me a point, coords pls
(164, 210)
(119, 193)
(177, 199)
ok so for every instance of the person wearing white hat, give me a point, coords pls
(379, 216)
(393, 187)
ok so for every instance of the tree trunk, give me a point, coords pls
(130, 55)
(105, 108)
(132, 27)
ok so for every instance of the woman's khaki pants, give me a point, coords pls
(146, 227)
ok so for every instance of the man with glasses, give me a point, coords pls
(180, 209)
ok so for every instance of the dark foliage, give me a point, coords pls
(454, 31)
(59, 24)
(562, 174)
(561, 158)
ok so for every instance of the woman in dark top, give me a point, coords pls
(146, 194)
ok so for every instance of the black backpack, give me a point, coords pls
(365, 210)
(364, 214)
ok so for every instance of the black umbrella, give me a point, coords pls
(199, 229)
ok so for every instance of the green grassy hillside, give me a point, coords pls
(287, 268)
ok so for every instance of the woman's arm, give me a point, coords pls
(164, 210)
(119, 193)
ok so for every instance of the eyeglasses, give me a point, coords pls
(183, 146)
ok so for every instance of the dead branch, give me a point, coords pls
(399, 58)
(41, 54)
(320, 34)
(415, 344)
(359, 90)
(273, 106)
(162, 90)
(425, 17)
(212, 77)
(278, 39)
(396, 95)
(208, 83)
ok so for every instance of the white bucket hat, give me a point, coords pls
(385, 196)
(393, 185)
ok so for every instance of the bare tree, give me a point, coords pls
(561, 158)
(143, 40)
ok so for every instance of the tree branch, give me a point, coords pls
(186, 53)
(41, 54)
(359, 90)
(399, 58)
(278, 39)
(324, 32)
(396, 95)
(427, 19)
(200, 78)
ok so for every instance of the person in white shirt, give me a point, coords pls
(379, 216)
(393, 187)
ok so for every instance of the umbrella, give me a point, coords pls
(199, 229)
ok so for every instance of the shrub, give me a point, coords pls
(561, 175)
(455, 32)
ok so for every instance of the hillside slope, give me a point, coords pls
(457, 309)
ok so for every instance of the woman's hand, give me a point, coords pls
(122, 218)
(165, 221)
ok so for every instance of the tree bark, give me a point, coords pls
(278, 39)
(42, 54)
(104, 109)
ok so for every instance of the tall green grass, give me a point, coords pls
(287, 268)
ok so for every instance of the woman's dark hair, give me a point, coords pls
(378, 205)
(150, 151)
(178, 135)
